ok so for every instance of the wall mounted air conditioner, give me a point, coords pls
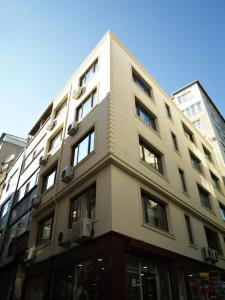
(72, 128)
(51, 124)
(82, 229)
(77, 92)
(29, 255)
(43, 160)
(206, 253)
(67, 174)
(65, 238)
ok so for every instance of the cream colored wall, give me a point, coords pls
(126, 213)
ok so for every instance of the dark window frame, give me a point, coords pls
(204, 196)
(207, 153)
(183, 181)
(92, 94)
(142, 83)
(168, 110)
(94, 65)
(189, 229)
(196, 162)
(174, 140)
(45, 177)
(39, 240)
(155, 152)
(215, 236)
(215, 181)
(188, 133)
(141, 108)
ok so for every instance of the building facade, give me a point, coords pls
(196, 104)
(114, 197)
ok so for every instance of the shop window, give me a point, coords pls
(154, 212)
(45, 230)
(83, 205)
(147, 279)
(83, 148)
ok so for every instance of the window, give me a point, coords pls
(193, 109)
(188, 133)
(83, 148)
(86, 105)
(168, 111)
(182, 179)
(204, 197)
(154, 212)
(208, 155)
(45, 230)
(196, 163)
(198, 124)
(151, 156)
(60, 109)
(145, 115)
(83, 206)
(174, 139)
(213, 240)
(49, 179)
(222, 210)
(56, 140)
(215, 181)
(28, 185)
(88, 74)
(33, 153)
(184, 97)
(5, 209)
(20, 227)
(143, 85)
(189, 231)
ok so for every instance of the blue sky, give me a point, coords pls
(43, 42)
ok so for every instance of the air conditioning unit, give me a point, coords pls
(43, 160)
(77, 92)
(29, 254)
(67, 174)
(206, 253)
(215, 256)
(51, 124)
(64, 238)
(82, 229)
(72, 128)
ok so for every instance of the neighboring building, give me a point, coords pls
(196, 104)
(115, 197)
(10, 147)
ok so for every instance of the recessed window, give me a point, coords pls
(147, 117)
(193, 109)
(83, 148)
(215, 181)
(198, 124)
(188, 133)
(86, 105)
(45, 230)
(175, 144)
(89, 73)
(182, 180)
(20, 227)
(143, 85)
(222, 210)
(189, 230)
(49, 179)
(60, 109)
(204, 197)
(151, 156)
(207, 153)
(195, 161)
(168, 111)
(55, 141)
(154, 211)
(213, 240)
(83, 205)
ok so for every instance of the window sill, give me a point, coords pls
(154, 170)
(186, 194)
(156, 132)
(194, 246)
(43, 245)
(78, 121)
(208, 209)
(143, 92)
(158, 230)
(49, 189)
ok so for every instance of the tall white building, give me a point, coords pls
(193, 100)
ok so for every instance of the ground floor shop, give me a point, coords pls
(118, 267)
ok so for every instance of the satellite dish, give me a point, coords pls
(9, 158)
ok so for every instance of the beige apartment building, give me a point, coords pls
(114, 197)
